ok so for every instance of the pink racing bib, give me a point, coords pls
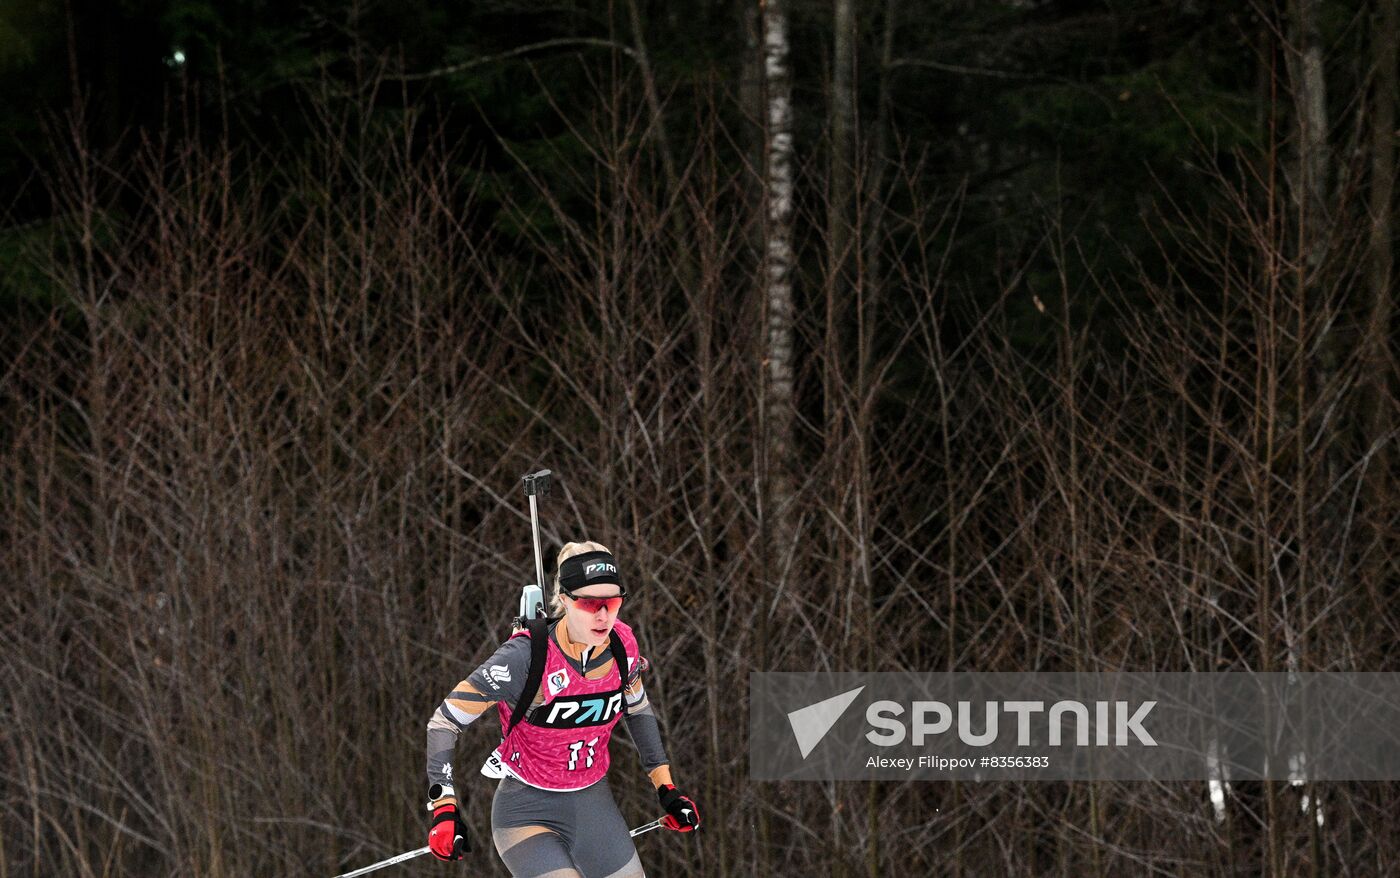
(562, 743)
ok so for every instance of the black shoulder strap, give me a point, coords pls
(619, 654)
(539, 645)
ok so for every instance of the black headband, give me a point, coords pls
(590, 568)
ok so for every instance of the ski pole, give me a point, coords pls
(389, 862)
(645, 827)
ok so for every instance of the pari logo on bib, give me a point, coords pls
(575, 711)
(557, 681)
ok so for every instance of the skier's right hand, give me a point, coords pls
(447, 836)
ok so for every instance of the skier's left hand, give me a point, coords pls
(681, 813)
(447, 837)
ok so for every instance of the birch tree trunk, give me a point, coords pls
(777, 280)
(776, 371)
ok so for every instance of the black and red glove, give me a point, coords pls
(447, 835)
(681, 813)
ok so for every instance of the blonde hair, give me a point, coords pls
(569, 550)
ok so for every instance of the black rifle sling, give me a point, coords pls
(539, 646)
(619, 654)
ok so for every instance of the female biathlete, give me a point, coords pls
(553, 813)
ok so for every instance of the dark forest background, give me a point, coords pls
(937, 335)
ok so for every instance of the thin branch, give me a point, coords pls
(516, 52)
